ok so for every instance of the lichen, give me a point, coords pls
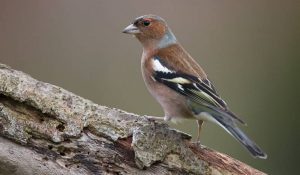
(155, 143)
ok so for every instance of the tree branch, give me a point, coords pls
(45, 129)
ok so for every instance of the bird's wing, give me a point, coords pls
(198, 91)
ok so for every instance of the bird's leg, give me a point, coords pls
(200, 123)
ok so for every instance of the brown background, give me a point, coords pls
(250, 50)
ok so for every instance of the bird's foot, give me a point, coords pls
(154, 118)
(197, 143)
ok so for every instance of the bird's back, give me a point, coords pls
(179, 60)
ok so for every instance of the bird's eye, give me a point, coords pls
(146, 23)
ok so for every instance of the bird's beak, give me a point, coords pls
(131, 29)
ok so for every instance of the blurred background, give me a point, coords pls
(250, 50)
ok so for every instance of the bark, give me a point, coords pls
(45, 129)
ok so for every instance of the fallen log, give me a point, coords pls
(45, 129)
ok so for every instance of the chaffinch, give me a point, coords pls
(179, 84)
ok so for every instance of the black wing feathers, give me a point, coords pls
(197, 90)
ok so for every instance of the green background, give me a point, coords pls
(250, 50)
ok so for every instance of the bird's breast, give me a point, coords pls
(173, 104)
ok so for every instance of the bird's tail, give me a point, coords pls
(238, 134)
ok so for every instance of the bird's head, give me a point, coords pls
(151, 31)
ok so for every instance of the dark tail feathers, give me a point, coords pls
(244, 140)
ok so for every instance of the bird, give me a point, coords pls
(179, 84)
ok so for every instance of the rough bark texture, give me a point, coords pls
(45, 129)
